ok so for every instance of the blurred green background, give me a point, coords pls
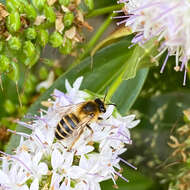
(135, 85)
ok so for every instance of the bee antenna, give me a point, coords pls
(106, 93)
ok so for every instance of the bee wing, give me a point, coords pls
(68, 109)
(85, 121)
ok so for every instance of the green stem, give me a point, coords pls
(88, 47)
(104, 10)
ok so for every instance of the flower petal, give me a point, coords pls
(77, 83)
(56, 159)
(4, 179)
(42, 168)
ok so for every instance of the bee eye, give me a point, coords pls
(102, 109)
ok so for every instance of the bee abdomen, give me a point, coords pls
(66, 126)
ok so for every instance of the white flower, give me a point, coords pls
(41, 161)
(168, 20)
(47, 83)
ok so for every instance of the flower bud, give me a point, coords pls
(4, 63)
(66, 48)
(9, 106)
(64, 2)
(32, 60)
(30, 12)
(68, 19)
(30, 33)
(28, 48)
(43, 37)
(2, 44)
(13, 74)
(14, 43)
(12, 5)
(89, 4)
(56, 39)
(39, 4)
(13, 22)
(50, 14)
(36, 56)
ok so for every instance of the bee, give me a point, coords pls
(77, 117)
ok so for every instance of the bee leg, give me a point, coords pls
(76, 139)
(91, 131)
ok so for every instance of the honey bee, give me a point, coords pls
(77, 117)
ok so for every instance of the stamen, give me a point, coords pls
(165, 12)
(137, 38)
(132, 45)
(164, 64)
(183, 63)
(124, 135)
(43, 144)
(118, 174)
(177, 57)
(25, 124)
(122, 1)
(112, 176)
(123, 16)
(22, 163)
(159, 54)
(124, 161)
(119, 11)
(146, 6)
(19, 133)
(185, 76)
(121, 22)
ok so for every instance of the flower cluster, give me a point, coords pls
(166, 20)
(43, 162)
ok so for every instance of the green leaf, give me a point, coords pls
(127, 92)
(120, 32)
(137, 181)
(142, 57)
(108, 65)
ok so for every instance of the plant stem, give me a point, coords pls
(88, 47)
(104, 10)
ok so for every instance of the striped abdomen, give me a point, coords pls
(66, 126)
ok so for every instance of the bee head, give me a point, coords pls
(100, 104)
